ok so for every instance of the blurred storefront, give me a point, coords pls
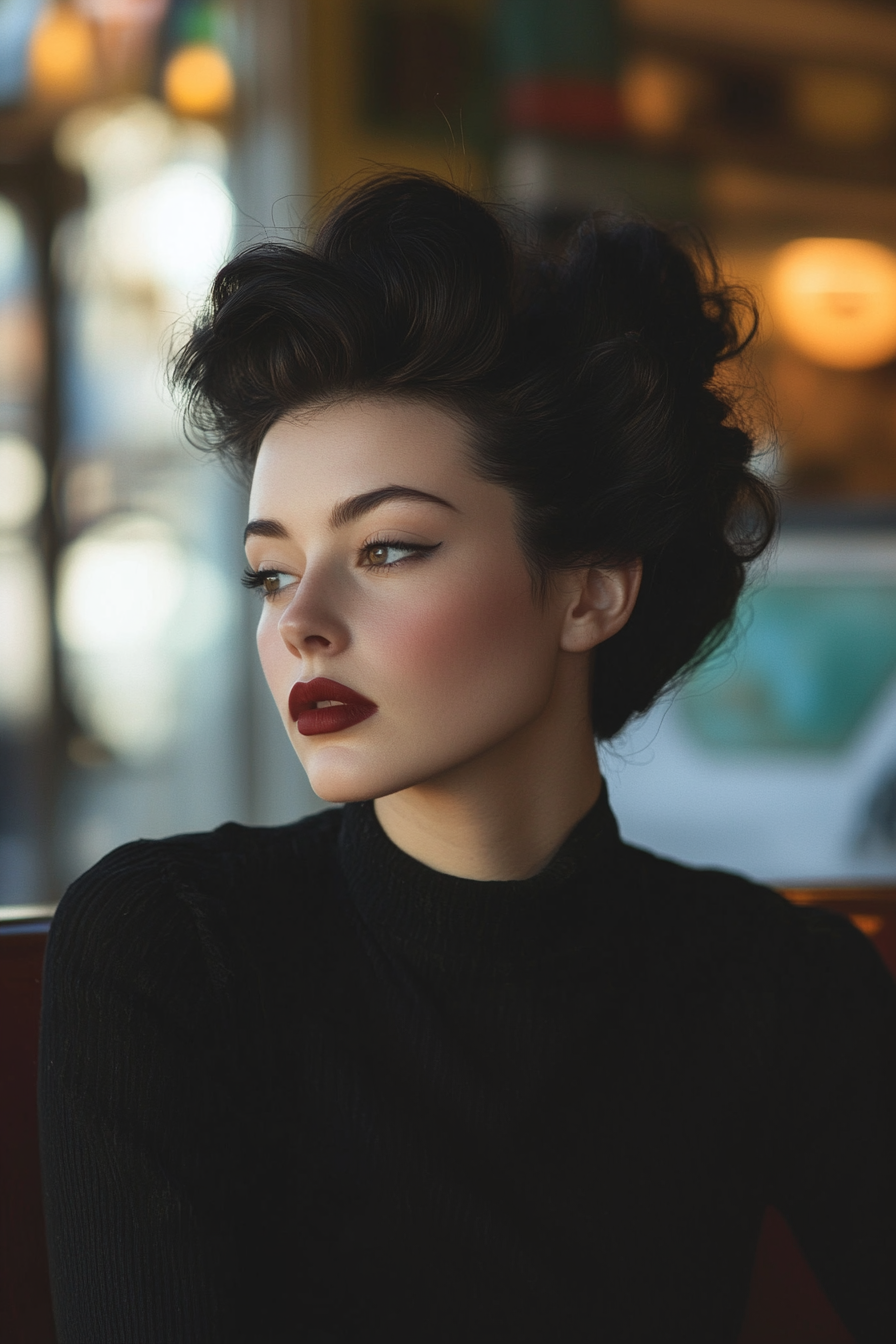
(141, 141)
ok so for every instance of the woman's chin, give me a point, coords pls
(340, 776)
(334, 793)
(336, 780)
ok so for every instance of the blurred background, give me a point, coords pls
(141, 141)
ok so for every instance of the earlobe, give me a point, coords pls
(601, 606)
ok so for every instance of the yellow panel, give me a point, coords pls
(341, 146)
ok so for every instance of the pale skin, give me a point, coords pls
(480, 756)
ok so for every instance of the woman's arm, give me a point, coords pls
(835, 1173)
(147, 1190)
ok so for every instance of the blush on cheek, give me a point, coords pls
(456, 635)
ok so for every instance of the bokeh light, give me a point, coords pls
(172, 231)
(61, 56)
(162, 217)
(24, 620)
(198, 81)
(659, 95)
(119, 585)
(115, 144)
(834, 300)
(22, 481)
(131, 605)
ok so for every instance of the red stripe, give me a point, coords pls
(577, 106)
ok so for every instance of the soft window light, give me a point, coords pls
(174, 230)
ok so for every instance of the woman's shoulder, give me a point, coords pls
(714, 899)
(207, 887)
(729, 919)
(224, 857)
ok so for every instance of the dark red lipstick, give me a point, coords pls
(325, 706)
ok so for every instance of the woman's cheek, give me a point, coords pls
(454, 637)
(277, 663)
(409, 644)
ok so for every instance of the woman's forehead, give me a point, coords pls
(317, 457)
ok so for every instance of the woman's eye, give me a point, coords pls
(268, 582)
(380, 555)
(384, 554)
(272, 583)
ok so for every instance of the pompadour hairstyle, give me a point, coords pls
(588, 379)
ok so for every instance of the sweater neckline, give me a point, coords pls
(434, 911)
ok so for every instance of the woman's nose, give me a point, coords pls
(311, 621)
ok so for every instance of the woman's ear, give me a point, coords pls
(601, 604)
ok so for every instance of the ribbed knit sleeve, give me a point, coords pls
(835, 1169)
(145, 1169)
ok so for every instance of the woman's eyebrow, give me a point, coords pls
(265, 527)
(349, 510)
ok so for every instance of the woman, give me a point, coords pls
(454, 1063)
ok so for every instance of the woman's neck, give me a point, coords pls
(505, 814)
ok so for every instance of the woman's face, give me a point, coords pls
(391, 569)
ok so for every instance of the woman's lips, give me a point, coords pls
(325, 706)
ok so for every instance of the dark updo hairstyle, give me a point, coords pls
(587, 380)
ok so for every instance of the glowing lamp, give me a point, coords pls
(834, 301)
(198, 81)
(61, 55)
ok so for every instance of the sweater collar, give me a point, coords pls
(419, 906)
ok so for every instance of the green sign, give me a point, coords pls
(808, 663)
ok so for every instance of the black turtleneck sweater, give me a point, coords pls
(296, 1086)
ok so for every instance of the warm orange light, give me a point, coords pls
(843, 108)
(658, 95)
(199, 81)
(870, 925)
(834, 300)
(61, 57)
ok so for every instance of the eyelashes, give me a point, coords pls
(375, 555)
(377, 552)
(266, 582)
